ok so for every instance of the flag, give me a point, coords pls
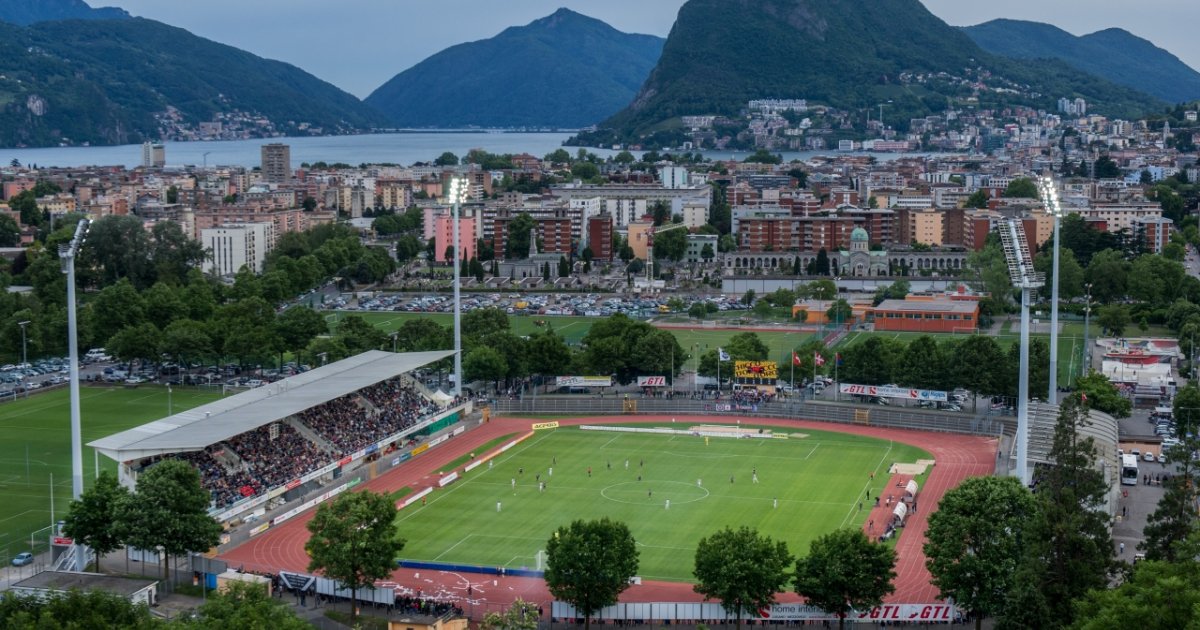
(1083, 397)
(722, 355)
(796, 359)
(818, 359)
(837, 358)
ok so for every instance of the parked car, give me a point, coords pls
(22, 559)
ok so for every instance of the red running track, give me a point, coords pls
(957, 457)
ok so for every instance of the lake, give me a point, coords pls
(397, 148)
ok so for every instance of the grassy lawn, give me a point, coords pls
(818, 479)
(39, 427)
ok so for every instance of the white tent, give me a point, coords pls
(441, 397)
(900, 512)
(911, 488)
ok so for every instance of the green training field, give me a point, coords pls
(817, 477)
(37, 444)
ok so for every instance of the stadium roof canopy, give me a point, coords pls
(197, 428)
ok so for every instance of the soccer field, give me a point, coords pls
(817, 479)
(37, 444)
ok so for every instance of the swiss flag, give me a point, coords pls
(1083, 397)
(796, 359)
(818, 359)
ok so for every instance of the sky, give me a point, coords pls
(357, 45)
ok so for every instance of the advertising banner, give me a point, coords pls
(905, 393)
(448, 479)
(652, 381)
(756, 372)
(537, 426)
(583, 381)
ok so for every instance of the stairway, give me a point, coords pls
(310, 435)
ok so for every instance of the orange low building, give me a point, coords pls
(818, 311)
(926, 315)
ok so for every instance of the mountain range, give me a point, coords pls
(26, 12)
(104, 82)
(1114, 54)
(564, 70)
(843, 53)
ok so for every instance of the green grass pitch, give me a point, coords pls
(41, 423)
(817, 477)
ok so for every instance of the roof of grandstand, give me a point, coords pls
(202, 426)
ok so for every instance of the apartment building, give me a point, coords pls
(234, 246)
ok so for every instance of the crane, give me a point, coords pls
(650, 245)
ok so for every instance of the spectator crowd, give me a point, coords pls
(255, 462)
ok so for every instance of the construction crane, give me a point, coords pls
(650, 245)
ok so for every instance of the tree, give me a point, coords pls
(1068, 546)
(763, 308)
(820, 266)
(135, 343)
(548, 354)
(840, 312)
(585, 170)
(358, 335)
(521, 615)
(242, 605)
(75, 609)
(298, 325)
(1022, 188)
(1102, 395)
(589, 563)
(671, 244)
(117, 307)
(822, 289)
(516, 246)
(564, 267)
(1070, 282)
(119, 247)
(1106, 168)
(354, 541)
(484, 321)
(844, 572)
(484, 363)
(1114, 318)
(1164, 594)
(169, 512)
(446, 159)
(975, 364)
(707, 253)
(10, 232)
(978, 199)
(974, 542)
(92, 519)
(742, 569)
(1108, 273)
(186, 340)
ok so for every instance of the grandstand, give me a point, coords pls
(286, 438)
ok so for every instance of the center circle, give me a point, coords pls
(654, 492)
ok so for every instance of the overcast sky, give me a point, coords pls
(359, 44)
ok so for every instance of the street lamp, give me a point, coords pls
(1087, 328)
(1050, 199)
(24, 356)
(459, 189)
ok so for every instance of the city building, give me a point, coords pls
(600, 237)
(154, 155)
(695, 248)
(276, 163)
(1153, 232)
(236, 246)
(443, 237)
(926, 314)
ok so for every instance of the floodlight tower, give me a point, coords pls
(459, 189)
(66, 254)
(1050, 199)
(1020, 271)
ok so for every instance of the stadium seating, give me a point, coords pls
(263, 462)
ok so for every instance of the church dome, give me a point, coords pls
(859, 235)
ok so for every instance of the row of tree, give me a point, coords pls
(589, 564)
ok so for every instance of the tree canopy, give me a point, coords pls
(741, 568)
(589, 563)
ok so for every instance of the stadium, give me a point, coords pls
(481, 489)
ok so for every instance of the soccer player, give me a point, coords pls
(668, 504)
(514, 483)
(497, 506)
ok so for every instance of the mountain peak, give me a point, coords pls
(26, 12)
(562, 70)
(842, 53)
(1113, 53)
